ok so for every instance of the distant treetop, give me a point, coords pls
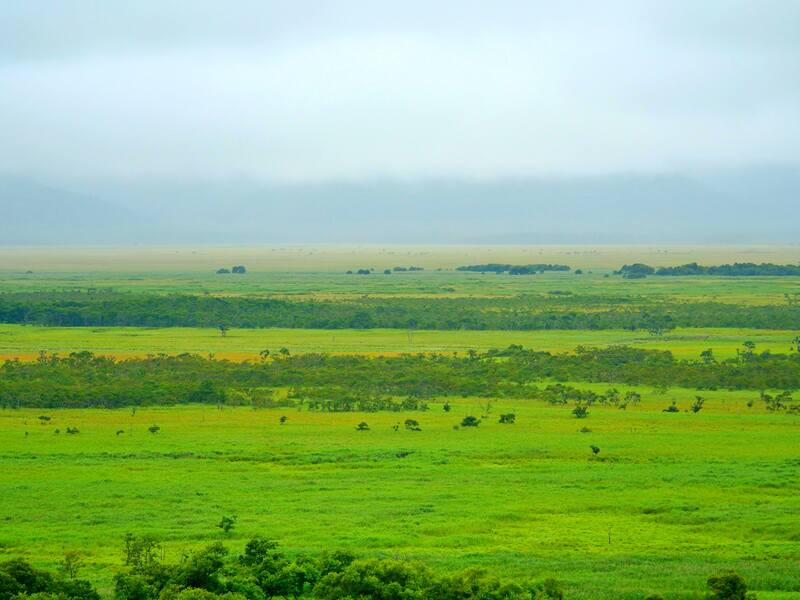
(513, 269)
(639, 270)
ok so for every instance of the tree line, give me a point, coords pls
(640, 270)
(525, 312)
(356, 382)
(263, 571)
(513, 269)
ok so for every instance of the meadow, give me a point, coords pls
(669, 499)
(25, 342)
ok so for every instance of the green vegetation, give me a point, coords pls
(640, 271)
(513, 269)
(522, 313)
(447, 433)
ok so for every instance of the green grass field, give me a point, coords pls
(25, 342)
(679, 495)
(670, 499)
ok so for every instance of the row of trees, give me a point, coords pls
(527, 312)
(357, 382)
(639, 270)
(513, 269)
(264, 572)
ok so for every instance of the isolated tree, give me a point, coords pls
(595, 449)
(284, 351)
(70, 564)
(154, 428)
(227, 523)
(470, 421)
(508, 419)
(580, 411)
(223, 330)
(44, 419)
(362, 426)
(697, 405)
(283, 419)
(446, 407)
(672, 408)
(412, 425)
(264, 354)
(728, 586)
(707, 356)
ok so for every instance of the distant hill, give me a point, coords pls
(742, 206)
(37, 214)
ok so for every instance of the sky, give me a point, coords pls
(314, 91)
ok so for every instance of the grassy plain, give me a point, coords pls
(670, 498)
(25, 342)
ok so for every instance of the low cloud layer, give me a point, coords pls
(314, 91)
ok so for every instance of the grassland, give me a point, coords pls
(25, 342)
(679, 495)
(670, 499)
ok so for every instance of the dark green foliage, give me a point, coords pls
(635, 271)
(20, 580)
(264, 572)
(399, 383)
(728, 586)
(525, 312)
(227, 523)
(362, 426)
(508, 419)
(513, 269)
(734, 270)
(412, 425)
(697, 405)
(154, 429)
(470, 421)
(580, 411)
(595, 449)
(672, 408)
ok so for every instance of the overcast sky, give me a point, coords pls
(298, 91)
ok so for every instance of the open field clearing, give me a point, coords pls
(25, 342)
(316, 258)
(669, 499)
(429, 283)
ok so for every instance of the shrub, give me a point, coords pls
(470, 421)
(728, 586)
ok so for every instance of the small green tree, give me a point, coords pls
(508, 419)
(227, 523)
(154, 429)
(697, 405)
(580, 411)
(470, 421)
(728, 586)
(362, 426)
(595, 449)
(70, 564)
(412, 425)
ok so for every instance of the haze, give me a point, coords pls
(502, 122)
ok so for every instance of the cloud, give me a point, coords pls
(351, 90)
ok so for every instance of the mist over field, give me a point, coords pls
(347, 121)
(741, 206)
